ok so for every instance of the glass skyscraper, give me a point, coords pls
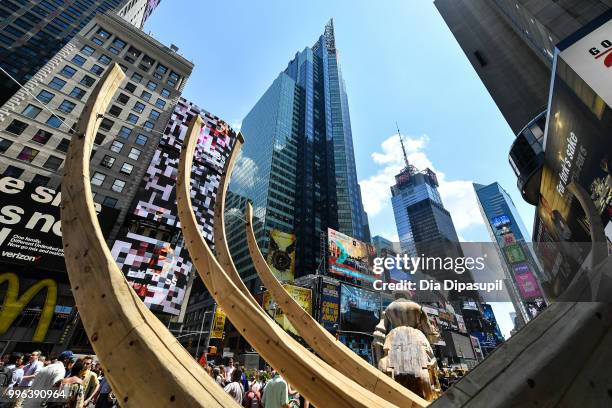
(32, 32)
(297, 165)
(511, 237)
(421, 219)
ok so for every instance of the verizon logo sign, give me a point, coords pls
(20, 256)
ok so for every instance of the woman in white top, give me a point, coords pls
(235, 388)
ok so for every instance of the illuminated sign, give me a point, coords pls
(159, 270)
(528, 285)
(350, 257)
(500, 221)
(218, 324)
(281, 255)
(591, 58)
(14, 304)
(330, 306)
(514, 253)
(30, 226)
(303, 296)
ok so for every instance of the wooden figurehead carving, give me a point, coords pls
(402, 339)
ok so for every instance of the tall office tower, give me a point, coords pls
(36, 123)
(420, 217)
(510, 44)
(32, 32)
(512, 241)
(297, 164)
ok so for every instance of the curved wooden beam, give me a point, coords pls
(221, 245)
(317, 381)
(333, 351)
(129, 340)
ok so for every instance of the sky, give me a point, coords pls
(400, 63)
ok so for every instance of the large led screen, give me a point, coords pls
(158, 270)
(359, 309)
(350, 257)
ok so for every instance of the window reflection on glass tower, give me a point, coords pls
(297, 165)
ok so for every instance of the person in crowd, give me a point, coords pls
(91, 384)
(256, 383)
(15, 365)
(235, 388)
(105, 398)
(5, 359)
(31, 369)
(74, 386)
(276, 392)
(294, 397)
(252, 398)
(228, 369)
(244, 380)
(218, 377)
(48, 377)
(43, 360)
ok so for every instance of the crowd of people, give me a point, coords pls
(82, 383)
(79, 381)
(255, 388)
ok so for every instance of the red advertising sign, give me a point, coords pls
(528, 285)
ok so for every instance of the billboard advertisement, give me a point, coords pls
(578, 144)
(281, 255)
(218, 326)
(460, 323)
(303, 296)
(359, 309)
(490, 322)
(514, 253)
(30, 226)
(157, 270)
(477, 348)
(486, 339)
(329, 312)
(500, 221)
(528, 285)
(349, 257)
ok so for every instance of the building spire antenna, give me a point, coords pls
(402, 143)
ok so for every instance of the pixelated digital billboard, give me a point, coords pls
(349, 257)
(159, 270)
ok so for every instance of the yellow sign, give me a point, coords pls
(218, 324)
(301, 295)
(14, 304)
(281, 255)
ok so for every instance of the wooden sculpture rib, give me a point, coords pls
(145, 364)
(221, 244)
(322, 342)
(393, 393)
(317, 381)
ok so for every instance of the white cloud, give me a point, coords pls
(457, 195)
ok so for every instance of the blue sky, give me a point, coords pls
(400, 63)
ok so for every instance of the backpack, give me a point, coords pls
(6, 376)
